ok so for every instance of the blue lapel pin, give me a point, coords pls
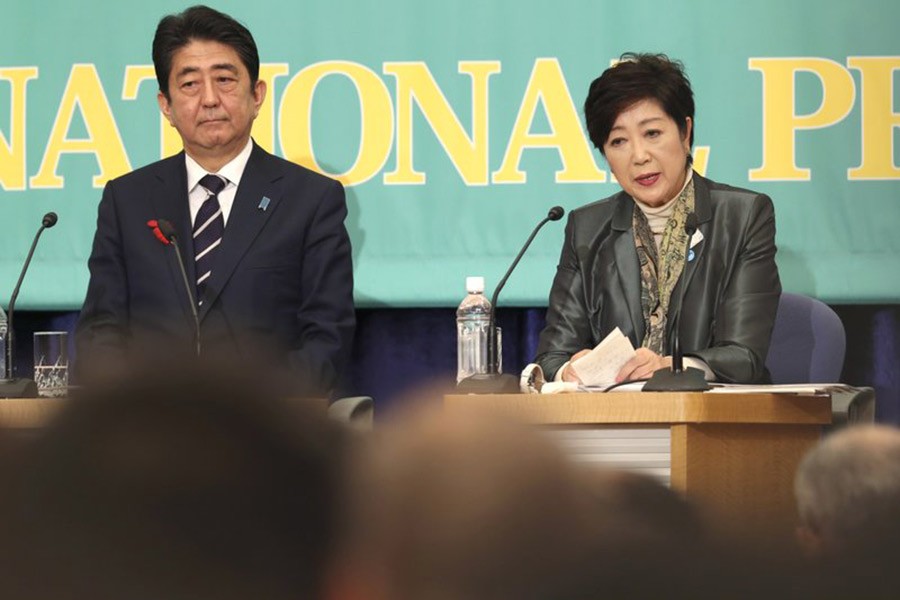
(690, 256)
(264, 203)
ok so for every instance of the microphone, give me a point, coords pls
(690, 227)
(493, 382)
(679, 379)
(165, 233)
(13, 387)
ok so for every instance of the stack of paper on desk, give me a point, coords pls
(788, 388)
(600, 366)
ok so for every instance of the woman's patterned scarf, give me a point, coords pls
(660, 270)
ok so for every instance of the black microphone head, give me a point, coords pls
(690, 224)
(50, 220)
(167, 229)
(556, 213)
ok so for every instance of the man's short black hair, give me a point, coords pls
(200, 23)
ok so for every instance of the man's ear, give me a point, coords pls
(165, 107)
(259, 95)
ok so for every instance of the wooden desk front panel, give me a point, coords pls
(743, 475)
(734, 454)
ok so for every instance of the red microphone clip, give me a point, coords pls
(154, 225)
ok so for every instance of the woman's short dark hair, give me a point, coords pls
(200, 23)
(638, 77)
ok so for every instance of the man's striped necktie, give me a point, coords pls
(208, 229)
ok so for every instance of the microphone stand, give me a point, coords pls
(20, 387)
(679, 379)
(168, 232)
(494, 382)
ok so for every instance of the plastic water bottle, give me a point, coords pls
(473, 320)
(3, 329)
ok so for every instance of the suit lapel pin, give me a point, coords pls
(264, 203)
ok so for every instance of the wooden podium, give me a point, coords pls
(28, 413)
(734, 454)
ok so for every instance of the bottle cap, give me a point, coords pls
(475, 285)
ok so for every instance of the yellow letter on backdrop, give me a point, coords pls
(780, 122)
(135, 75)
(878, 117)
(12, 152)
(547, 85)
(469, 154)
(376, 112)
(103, 140)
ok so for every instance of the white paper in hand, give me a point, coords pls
(600, 366)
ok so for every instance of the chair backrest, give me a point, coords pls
(808, 342)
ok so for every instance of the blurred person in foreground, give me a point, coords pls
(454, 506)
(267, 254)
(848, 494)
(177, 483)
(624, 259)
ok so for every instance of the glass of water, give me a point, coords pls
(51, 362)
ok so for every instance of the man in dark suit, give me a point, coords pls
(267, 254)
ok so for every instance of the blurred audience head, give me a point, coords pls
(646, 512)
(456, 506)
(459, 506)
(177, 482)
(848, 492)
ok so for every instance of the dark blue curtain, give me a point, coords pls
(399, 350)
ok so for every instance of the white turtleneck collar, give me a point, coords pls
(658, 216)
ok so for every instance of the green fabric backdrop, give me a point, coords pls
(456, 125)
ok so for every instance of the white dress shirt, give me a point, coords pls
(231, 172)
